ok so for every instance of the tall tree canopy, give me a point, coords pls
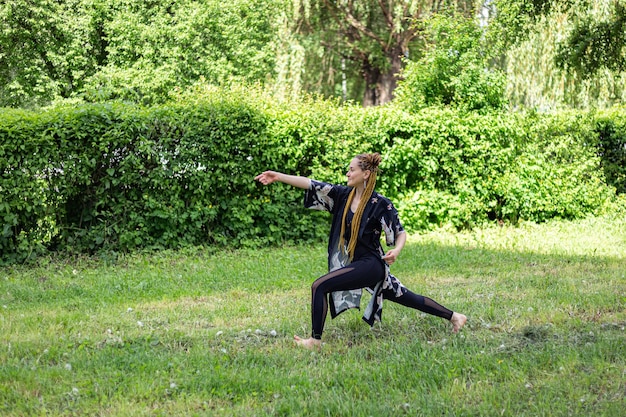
(455, 69)
(130, 49)
(365, 41)
(568, 53)
(46, 50)
(596, 43)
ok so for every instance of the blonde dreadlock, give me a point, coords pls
(367, 162)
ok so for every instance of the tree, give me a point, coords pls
(46, 49)
(455, 69)
(130, 49)
(571, 55)
(155, 47)
(595, 44)
(367, 39)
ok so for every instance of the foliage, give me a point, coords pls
(47, 48)
(155, 48)
(539, 73)
(115, 177)
(454, 70)
(555, 54)
(119, 177)
(130, 50)
(364, 41)
(556, 175)
(514, 19)
(611, 128)
(465, 169)
(594, 44)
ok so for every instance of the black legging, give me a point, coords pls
(365, 272)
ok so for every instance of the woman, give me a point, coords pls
(356, 258)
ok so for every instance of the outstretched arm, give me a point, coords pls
(269, 177)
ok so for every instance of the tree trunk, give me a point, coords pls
(372, 77)
(380, 85)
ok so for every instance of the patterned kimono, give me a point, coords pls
(379, 216)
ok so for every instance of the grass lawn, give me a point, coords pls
(210, 332)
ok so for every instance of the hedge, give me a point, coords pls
(116, 177)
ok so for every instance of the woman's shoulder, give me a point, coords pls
(378, 198)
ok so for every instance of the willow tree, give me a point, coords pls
(363, 43)
(572, 56)
(596, 41)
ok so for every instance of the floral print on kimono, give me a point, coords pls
(379, 216)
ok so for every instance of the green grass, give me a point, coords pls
(209, 332)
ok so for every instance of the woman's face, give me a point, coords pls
(356, 176)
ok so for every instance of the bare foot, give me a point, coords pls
(458, 320)
(309, 343)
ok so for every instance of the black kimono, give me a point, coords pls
(379, 216)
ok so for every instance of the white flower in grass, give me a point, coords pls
(140, 324)
(218, 334)
(68, 366)
(273, 333)
(173, 385)
(129, 310)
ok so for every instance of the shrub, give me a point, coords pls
(556, 175)
(611, 128)
(115, 177)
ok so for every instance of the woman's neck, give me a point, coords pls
(358, 194)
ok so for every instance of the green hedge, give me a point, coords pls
(463, 169)
(117, 177)
(611, 129)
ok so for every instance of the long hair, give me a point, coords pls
(367, 162)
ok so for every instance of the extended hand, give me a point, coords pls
(267, 177)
